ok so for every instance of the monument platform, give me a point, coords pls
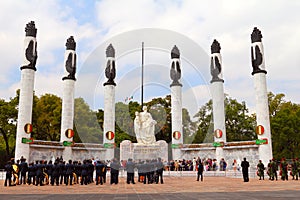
(138, 151)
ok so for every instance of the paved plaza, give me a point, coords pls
(173, 188)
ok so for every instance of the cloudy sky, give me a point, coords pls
(191, 25)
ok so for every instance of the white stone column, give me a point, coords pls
(25, 112)
(176, 104)
(109, 118)
(26, 91)
(261, 95)
(109, 104)
(217, 91)
(67, 115)
(176, 111)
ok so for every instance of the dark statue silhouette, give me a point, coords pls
(71, 66)
(175, 72)
(215, 68)
(258, 59)
(110, 70)
(31, 55)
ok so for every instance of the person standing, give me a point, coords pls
(9, 170)
(200, 170)
(84, 173)
(159, 171)
(283, 169)
(31, 174)
(55, 173)
(69, 173)
(260, 170)
(245, 165)
(295, 170)
(114, 171)
(130, 171)
(23, 169)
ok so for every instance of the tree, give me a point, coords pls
(8, 127)
(239, 124)
(205, 125)
(47, 118)
(285, 127)
(87, 128)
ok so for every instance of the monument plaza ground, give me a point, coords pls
(173, 188)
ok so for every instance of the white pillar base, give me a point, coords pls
(25, 112)
(262, 116)
(109, 118)
(67, 115)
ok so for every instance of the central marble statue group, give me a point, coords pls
(144, 127)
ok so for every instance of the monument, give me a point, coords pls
(146, 147)
(109, 103)
(67, 115)
(261, 96)
(144, 127)
(217, 91)
(24, 126)
(176, 104)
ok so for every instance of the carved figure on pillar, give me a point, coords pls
(257, 52)
(216, 63)
(175, 72)
(110, 70)
(31, 52)
(71, 60)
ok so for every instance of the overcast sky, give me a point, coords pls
(191, 25)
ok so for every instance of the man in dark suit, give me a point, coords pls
(245, 165)
(23, 169)
(159, 171)
(200, 170)
(130, 171)
(69, 172)
(114, 171)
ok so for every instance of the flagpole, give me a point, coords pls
(142, 88)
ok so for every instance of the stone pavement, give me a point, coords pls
(174, 188)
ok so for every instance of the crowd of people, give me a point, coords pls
(61, 172)
(283, 167)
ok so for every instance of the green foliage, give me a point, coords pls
(8, 122)
(47, 120)
(285, 127)
(239, 124)
(87, 128)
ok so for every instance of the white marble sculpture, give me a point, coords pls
(144, 127)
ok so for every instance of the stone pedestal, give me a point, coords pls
(25, 112)
(176, 110)
(67, 115)
(143, 151)
(109, 119)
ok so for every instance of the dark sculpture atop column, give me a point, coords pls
(71, 60)
(71, 44)
(256, 35)
(215, 63)
(257, 52)
(30, 52)
(110, 70)
(30, 29)
(175, 72)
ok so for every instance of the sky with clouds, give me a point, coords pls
(192, 25)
